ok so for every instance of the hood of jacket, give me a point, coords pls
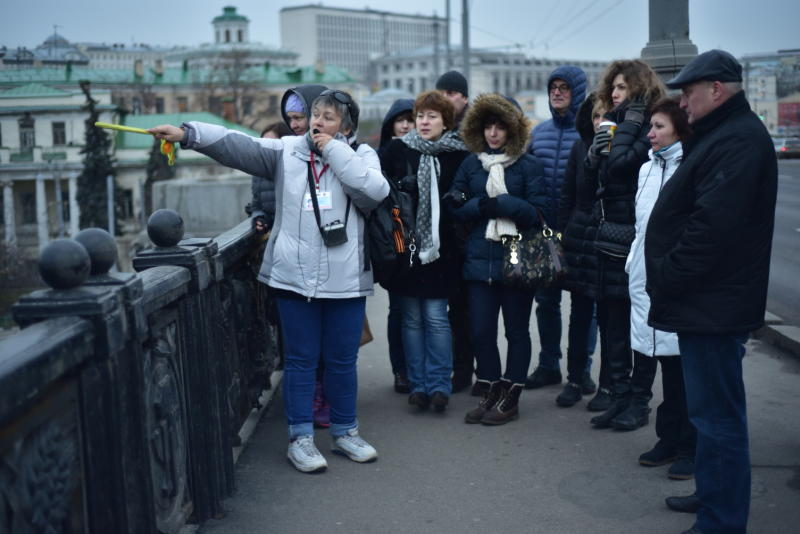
(401, 105)
(576, 79)
(583, 120)
(494, 104)
(306, 93)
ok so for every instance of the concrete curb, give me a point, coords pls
(249, 425)
(785, 337)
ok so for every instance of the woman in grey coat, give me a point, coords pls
(314, 258)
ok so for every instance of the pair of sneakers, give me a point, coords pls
(305, 457)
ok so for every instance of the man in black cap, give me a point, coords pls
(454, 86)
(707, 253)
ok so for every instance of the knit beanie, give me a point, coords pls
(452, 81)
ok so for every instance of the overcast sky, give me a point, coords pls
(570, 29)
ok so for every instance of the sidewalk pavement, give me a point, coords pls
(547, 472)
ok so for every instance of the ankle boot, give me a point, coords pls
(619, 403)
(636, 415)
(490, 396)
(506, 408)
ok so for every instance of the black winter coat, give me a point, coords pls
(618, 178)
(263, 203)
(575, 216)
(438, 279)
(527, 192)
(709, 238)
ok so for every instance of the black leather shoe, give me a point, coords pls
(660, 454)
(587, 384)
(420, 400)
(689, 504)
(635, 416)
(616, 407)
(600, 402)
(439, 401)
(401, 384)
(543, 377)
(569, 396)
(682, 469)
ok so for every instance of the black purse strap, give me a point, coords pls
(313, 191)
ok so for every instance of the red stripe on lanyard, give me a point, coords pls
(314, 171)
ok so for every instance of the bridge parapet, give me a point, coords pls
(122, 396)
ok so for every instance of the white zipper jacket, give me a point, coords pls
(296, 259)
(652, 177)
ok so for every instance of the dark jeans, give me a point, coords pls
(463, 351)
(672, 418)
(332, 328)
(614, 321)
(581, 337)
(548, 320)
(715, 398)
(485, 303)
(394, 333)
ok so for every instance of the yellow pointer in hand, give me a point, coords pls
(167, 148)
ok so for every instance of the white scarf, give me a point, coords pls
(496, 185)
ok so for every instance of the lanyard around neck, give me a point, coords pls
(314, 171)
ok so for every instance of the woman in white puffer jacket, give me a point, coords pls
(668, 127)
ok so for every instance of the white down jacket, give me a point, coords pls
(652, 177)
(296, 259)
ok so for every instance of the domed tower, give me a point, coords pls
(230, 27)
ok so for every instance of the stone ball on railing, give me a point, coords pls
(102, 249)
(165, 228)
(64, 264)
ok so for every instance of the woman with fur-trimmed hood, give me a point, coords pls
(497, 191)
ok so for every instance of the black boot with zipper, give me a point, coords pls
(637, 414)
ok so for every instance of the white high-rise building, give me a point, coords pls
(350, 38)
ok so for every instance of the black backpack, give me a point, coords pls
(391, 239)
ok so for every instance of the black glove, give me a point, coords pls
(409, 184)
(454, 199)
(488, 207)
(260, 225)
(636, 110)
(600, 143)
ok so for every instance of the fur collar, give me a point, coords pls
(495, 104)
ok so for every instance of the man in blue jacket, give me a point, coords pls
(551, 144)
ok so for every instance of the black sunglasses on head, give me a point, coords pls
(339, 96)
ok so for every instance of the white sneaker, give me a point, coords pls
(305, 456)
(354, 447)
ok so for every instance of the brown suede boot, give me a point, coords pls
(506, 409)
(491, 394)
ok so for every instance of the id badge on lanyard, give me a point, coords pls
(324, 198)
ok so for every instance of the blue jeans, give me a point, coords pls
(330, 328)
(485, 303)
(394, 333)
(715, 399)
(548, 319)
(428, 344)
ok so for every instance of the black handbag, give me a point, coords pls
(534, 258)
(613, 239)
